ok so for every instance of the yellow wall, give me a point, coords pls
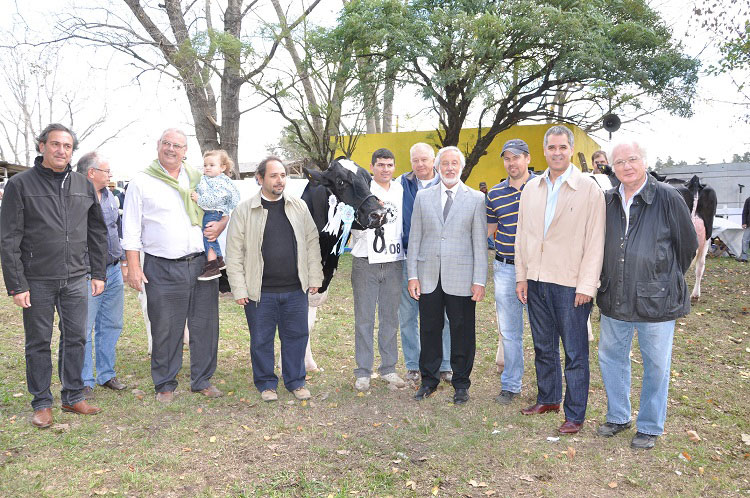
(490, 168)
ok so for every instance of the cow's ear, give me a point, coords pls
(316, 177)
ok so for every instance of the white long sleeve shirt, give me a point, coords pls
(155, 221)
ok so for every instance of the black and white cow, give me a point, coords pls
(701, 201)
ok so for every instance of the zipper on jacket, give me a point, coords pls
(64, 208)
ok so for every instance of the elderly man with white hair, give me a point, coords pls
(649, 244)
(447, 271)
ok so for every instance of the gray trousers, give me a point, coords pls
(175, 294)
(70, 299)
(377, 284)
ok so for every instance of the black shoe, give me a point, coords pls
(88, 392)
(461, 396)
(609, 429)
(424, 392)
(114, 384)
(505, 397)
(643, 441)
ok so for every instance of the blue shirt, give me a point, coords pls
(502, 208)
(553, 192)
(110, 211)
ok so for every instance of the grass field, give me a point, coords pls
(380, 443)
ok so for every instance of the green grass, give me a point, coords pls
(382, 443)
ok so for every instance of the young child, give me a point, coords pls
(217, 196)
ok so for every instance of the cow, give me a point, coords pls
(701, 202)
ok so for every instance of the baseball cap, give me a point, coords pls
(516, 146)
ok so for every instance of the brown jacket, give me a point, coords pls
(571, 254)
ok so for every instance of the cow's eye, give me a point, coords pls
(341, 182)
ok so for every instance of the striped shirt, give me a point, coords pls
(502, 208)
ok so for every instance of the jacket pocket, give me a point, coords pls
(651, 298)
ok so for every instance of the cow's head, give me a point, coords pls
(351, 185)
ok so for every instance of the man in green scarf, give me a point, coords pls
(160, 219)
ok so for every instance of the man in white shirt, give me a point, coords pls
(377, 264)
(161, 220)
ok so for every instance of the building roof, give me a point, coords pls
(10, 169)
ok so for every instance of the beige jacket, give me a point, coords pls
(572, 252)
(245, 238)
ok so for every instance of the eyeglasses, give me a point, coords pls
(105, 171)
(168, 144)
(630, 160)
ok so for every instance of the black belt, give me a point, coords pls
(504, 260)
(183, 258)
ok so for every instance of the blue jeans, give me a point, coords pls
(288, 311)
(553, 318)
(408, 312)
(209, 216)
(105, 317)
(68, 297)
(655, 341)
(510, 323)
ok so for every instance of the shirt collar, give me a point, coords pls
(621, 189)
(453, 189)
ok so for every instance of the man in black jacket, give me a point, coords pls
(53, 236)
(649, 244)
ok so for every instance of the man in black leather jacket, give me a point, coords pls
(649, 244)
(53, 236)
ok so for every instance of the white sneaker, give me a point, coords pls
(362, 384)
(394, 380)
(269, 395)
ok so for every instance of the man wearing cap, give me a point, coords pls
(502, 217)
(560, 221)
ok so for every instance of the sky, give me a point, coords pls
(152, 103)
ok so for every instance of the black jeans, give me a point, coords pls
(175, 295)
(70, 298)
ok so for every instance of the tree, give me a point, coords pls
(729, 23)
(37, 93)
(314, 94)
(495, 64)
(183, 44)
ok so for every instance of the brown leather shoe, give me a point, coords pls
(538, 409)
(165, 397)
(210, 392)
(82, 408)
(42, 418)
(114, 384)
(570, 427)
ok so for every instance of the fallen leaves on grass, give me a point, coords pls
(746, 439)
(17, 395)
(411, 485)
(685, 456)
(693, 436)
(474, 484)
(138, 393)
(343, 452)
(435, 490)
(212, 439)
(526, 478)
(612, 484)
(571, 453)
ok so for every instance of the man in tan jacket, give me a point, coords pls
(273, 259)
(559, 249)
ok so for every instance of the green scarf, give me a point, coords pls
(194, 212)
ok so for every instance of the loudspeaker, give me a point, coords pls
(611, 122)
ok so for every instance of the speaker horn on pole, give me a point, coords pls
(611, 123)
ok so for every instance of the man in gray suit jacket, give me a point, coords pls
(447, 269)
